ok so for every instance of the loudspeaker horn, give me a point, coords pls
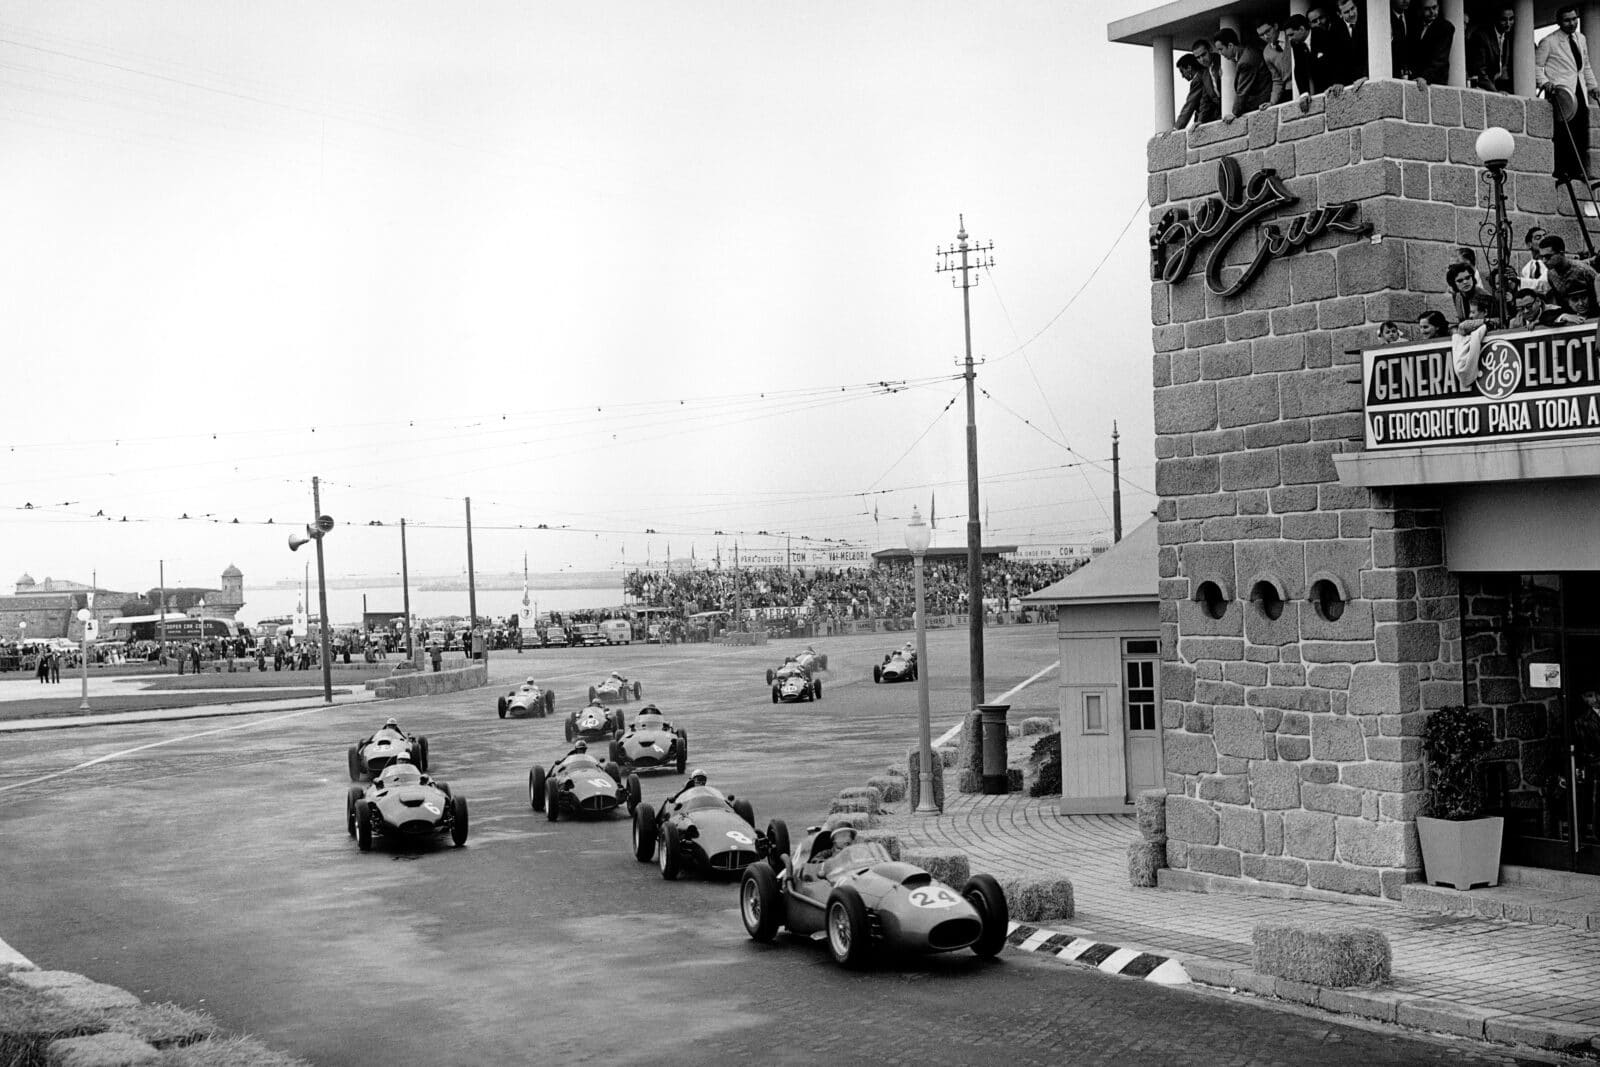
(296, 540)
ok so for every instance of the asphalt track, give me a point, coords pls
(206, 862)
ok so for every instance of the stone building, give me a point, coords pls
(1353, 536)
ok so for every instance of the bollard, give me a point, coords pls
(996, 782)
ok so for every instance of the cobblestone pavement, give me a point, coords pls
(1550, 972)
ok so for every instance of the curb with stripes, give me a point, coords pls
(1108, 959)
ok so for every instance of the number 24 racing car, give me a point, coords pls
(700, 828)
(528, 699)
(405, 804)
(861, 899)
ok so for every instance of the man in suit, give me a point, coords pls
(1429, 45)
(1353, 17)
(1400, 23)
(1561, 61)
(1276, 57)
(1332, 58)
(1296, 39)
(1489, 53)
(1202, 104)
(1252, 81)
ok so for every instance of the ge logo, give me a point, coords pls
(933, 897)
(1500, 370)
(741, 837)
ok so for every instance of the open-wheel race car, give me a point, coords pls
(614, 690)
(404, 804)
(792, 682)
(579, 784)
(651, 743)
(811, 659)
(595, 723)
(898, 666)
(701, 829)
(388, 744)
(863, 900)
(528, 699)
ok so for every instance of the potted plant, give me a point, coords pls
(1460, 845)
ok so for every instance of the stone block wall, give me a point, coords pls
(1291, 743)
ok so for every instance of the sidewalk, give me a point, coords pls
(195, 711)
(1483, 978)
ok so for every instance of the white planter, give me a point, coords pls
(1460, 854)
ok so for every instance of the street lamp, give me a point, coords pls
(917, 537)
(85, 616)
(1494, 147)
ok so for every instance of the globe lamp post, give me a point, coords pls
(1494, 147)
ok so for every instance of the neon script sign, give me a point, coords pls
(1221, 220)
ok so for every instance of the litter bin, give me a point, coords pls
(996, 781)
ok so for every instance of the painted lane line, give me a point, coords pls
(945, 737)
(10, 957)
(158, 744)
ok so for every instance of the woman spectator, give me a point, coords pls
(1472, 302)
(1432, 325)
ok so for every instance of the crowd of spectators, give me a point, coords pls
(883, 591)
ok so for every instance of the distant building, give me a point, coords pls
(50, 607)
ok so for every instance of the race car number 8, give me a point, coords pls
(739, 836)
(933, 898)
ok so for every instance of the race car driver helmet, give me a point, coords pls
(843, 837)
(697, 777)
(581, 746)
(390, 724)
(531, 682)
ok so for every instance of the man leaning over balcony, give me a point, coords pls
(1561, 62)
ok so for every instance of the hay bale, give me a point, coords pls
(1033, 898)
(890, 787)
(1013, 779)
(969, 754)
(887, 838)
(861, 820)
(1150, 808)
(1038, 724)
(914, 779)
(894, 771)
(848, 804)
(110, 1049)
(1338, 955)
(1044, 767)
(1145, 858)
(949, 866)
(946, 755)
(969, 781)
(870, 793)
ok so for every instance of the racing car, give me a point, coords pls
(862, 899)
(614, 690)
(699, 828)
(579, 784)
(595, 723)
(792, 683)
(372, 754)
(405, 804)
(811, 659)
(651, 743)
(898, 666)
(528, 699)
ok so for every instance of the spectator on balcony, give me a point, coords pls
(1428, 47)
(1532, 312)
(1470, 298)
(1353, 18)
(1533, 275)
(1489, 52)
(1212, 66)
(1391, 333)
(1280, 67)
(1583, 305)
(1252, 82)
(1202, 104)
(1561, 62)
(1566, 276)
(1432, 326)
(1297, 43)
(1333, 54)
(1400, 23)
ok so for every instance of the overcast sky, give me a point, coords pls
(607, 267)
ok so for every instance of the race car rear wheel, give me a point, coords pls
(552, 802)
(769, 675)
(458, 820)
(591, 694)
(637, 689)
(849, 938)
(536, 788)
(616, 751)
(644, 833)
(364, 825)
(355, 763)
(671, 858)
(683, 753)
(760, 902)
(989, 900)
(816, 689)
(352, 796)
(502, 707)
(634, 793)
(774, 694)
(613, 770)
(824, 661)
(549, 702)
(422, 757)
(877, 673)
(619, 722)
(777, 844)
(746, 811)
(571, 729)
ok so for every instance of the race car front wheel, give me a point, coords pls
(352, 797)
(364, 825)
(552, 802)
(849, 938)
(671, 859)
(502, 707)
(549, 702)
(760, 902)
(536, 788)
(458, 820)
(644, 833)
(634, 793)
(989, 900)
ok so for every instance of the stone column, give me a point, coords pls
(1380, 62)
(1455, 12)
(1522, 49)
(1229, 70)
(1166, 104)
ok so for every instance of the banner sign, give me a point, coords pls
(1048, 552)
(1528, 385)
(806, 557)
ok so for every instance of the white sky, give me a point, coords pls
(610, 267)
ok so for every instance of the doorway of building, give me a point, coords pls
(1142, 713)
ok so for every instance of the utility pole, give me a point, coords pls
(1116, 486)
(472, 592)
(405, 589)
(322, 596)
(973, 256)
(163, 608)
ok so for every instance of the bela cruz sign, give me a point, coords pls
(1544, 383)
(1220, 221)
